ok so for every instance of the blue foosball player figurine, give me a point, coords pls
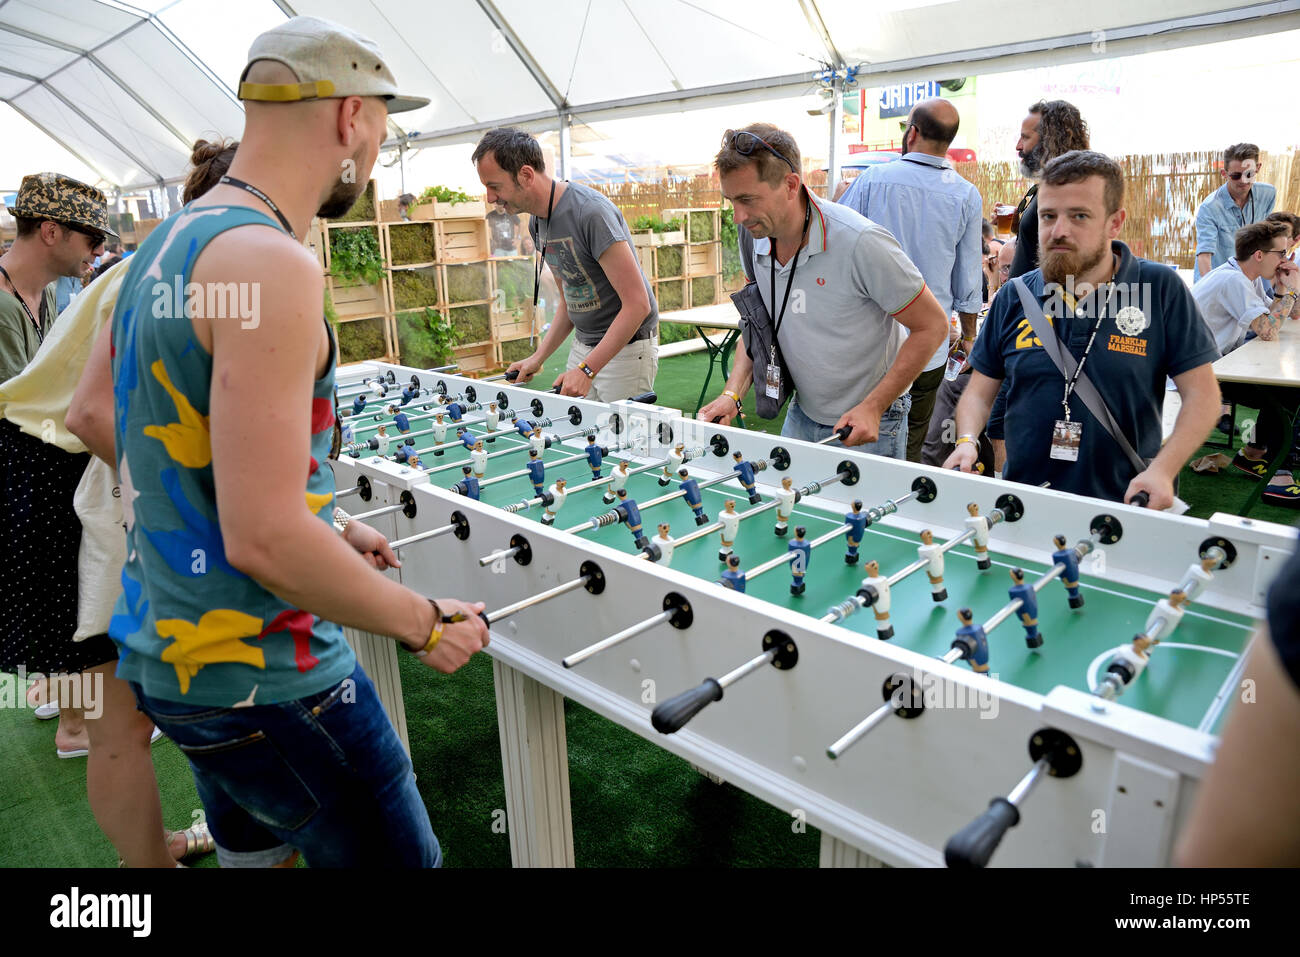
(400, 419)
(468, 486)
(733, 577)
(536, 472)
(857, 523)
(799, 563)
(1028, 611)
(594, 455)
(409, 394)
(972, 642)
(693, 497)
(746, 472)
(1070, 577)
(455, 411)
(466, 437)
(524, 427)
(630, 514)
(358, 403)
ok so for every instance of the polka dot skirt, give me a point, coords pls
(39, 540)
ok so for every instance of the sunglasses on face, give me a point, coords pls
(1246, 174)
(96, 237)
(745, 143)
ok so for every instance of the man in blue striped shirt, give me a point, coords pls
(935, 215)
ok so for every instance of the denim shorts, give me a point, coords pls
(892, 442)
(325, 775)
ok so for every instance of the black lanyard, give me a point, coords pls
(1078, 370)
(776, 326)
(250, 188)
(537, 277)
(40, 335)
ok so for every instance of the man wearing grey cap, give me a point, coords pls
(61, 227)
(240, 572)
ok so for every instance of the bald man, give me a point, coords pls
(936, 216)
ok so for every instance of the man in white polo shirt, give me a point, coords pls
(1233, 300)
(840, 292)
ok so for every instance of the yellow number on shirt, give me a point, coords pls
(1025, 337)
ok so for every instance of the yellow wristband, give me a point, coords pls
(965, 438)
(587, 370)
(436, 634)
(733, 397)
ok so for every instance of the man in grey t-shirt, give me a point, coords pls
(584, 239)
(840, 290)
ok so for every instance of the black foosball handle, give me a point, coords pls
(672, 715)
(974, 844)
(1141, 499)
(512, 375)
(645, 398)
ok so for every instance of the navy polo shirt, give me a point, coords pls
(1150, 330)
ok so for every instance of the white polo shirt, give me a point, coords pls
(839, 337)
(1229, 302)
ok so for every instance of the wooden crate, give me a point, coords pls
(389, 211)
(316, 241)
(514, 325)
(402, 239)
(703, 259)
(332, 228)
(644, 237)
(672, 294)
(368, 337)
(143, 227)
(411, 340)
(645, 258)
(415, 288)
(704, 290)
(701, 225)
(353, 300)
(476, 358)
(462, 240)
(670, 262)
(473, 321)
(466, 282)
(523, 242)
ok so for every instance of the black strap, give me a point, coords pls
(794, 265)
(40, 333)
(541, 259)
(250, 188)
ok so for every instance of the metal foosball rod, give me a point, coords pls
(779, 651)
(543, 423)
(459, 526)
(513, 450)
(406, 503)
(677, 612)
(589, 577)
(613, 517)
(540, 500)
(372, 385)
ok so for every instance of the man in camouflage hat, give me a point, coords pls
(61, 228)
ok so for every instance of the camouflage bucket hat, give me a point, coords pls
(63, 200)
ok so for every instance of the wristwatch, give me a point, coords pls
(341, 519)
(586, 369)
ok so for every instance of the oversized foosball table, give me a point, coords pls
(927, 666)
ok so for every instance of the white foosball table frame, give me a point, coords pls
(904, 789)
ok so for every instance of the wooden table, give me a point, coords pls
(720, 316)
(1274, 366)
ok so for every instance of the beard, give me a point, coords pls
(1031, 164)
(343, 196)
(1058, 265)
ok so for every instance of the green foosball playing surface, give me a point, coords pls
(1186, 674)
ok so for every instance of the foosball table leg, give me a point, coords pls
(835, 853)
(377, 656)
(535, 762)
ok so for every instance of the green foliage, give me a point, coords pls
(668, 261)
(467, 282)
(413, 288)
(361, 339)
(354, 255)
(703, 291)
(730, 246)
(425, 339)
(411, 243)
(441, 194)
(515, 350)
(515, 284)
(700, 227)
(472, 323)
(670, 332)
(331, 313)
(655, 224)
(363, 209)
(669, 295)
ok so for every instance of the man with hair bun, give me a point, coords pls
(1127, 322)
(1240, 201)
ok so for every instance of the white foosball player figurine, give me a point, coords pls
(675, 459)
(491, 418)
(730, 520)
(664, 542)
(478, 459)
(879, 584)
(383, 438)
(981, 526)
(1199, 575)
(617, 480)
(439, 432)
(557, 496)
(784, 505)
(932, 554)
(537, 440)
(1131, 660)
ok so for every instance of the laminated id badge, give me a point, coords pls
(1066, 436)
(773, 377)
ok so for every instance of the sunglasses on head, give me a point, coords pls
(745, 143)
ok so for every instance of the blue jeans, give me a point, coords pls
(325, 774)
(892, 442)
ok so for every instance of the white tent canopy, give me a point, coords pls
(121, 87)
